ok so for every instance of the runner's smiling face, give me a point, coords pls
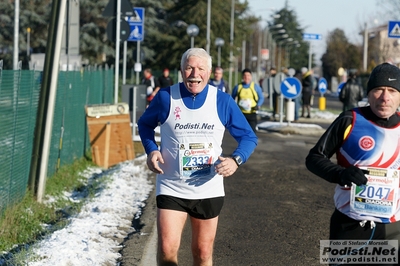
(247, 78)
(196, 74)
(384, 101)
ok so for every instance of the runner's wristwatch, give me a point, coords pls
(237, 160)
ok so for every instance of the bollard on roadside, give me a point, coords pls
(322, 88)
(322, 103)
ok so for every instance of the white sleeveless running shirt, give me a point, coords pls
(190, 145)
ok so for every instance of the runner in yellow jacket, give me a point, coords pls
(249, 97)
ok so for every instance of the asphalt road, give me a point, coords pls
(275, 210)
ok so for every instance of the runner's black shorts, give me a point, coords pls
(344, 227)
(198, 208)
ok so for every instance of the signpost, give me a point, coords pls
(111, 9)
(116, 8)
(279, 77)
(322, 88)
(136, 23)
(264, 54)
(290, 89)
(137, 35)
(394, 29)
(123, 32)
(311, 37)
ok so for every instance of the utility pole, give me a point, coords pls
(365, 44)
(208, 25)
(45, 113)
(231, 43)
(16, 34)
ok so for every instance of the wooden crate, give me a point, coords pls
(110, 134)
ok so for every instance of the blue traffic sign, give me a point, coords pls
(136, 23)
(394, 29)
(311, 36)
(322, 85)
(291, 88)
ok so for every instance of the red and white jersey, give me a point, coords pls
(367, 145)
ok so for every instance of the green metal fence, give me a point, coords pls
(19, 97)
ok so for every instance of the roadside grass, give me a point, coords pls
(27, 221)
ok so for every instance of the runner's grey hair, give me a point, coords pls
(198, 52)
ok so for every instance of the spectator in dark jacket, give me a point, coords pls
(151, 83)
(351, 93)
(307, 91)
(165, 80)
(269, 90)
(218, 80)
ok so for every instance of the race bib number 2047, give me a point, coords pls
(379, 196)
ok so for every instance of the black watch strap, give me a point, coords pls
(238, 160)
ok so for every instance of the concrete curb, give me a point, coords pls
(150, 251)
(293, 130)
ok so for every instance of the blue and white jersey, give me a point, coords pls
(190, 147)
(192, 127)
(220, 85)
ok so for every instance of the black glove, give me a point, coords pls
(352, 174)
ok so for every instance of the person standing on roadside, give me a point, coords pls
(269, 86)
(218, 80)
(190, 165)
(351, 93)
(249, 97)
(151, 83)
(306, 92)
(362, 138)
(165, 80)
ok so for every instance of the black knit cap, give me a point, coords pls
(384, 75)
